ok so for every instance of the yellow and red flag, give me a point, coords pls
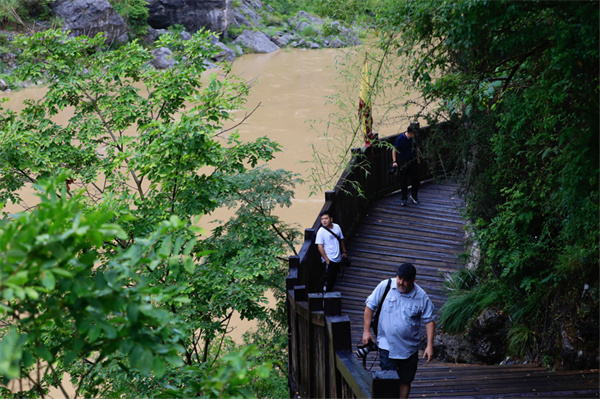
(365, 117)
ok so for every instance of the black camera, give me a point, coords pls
(393, 169)
(363, 350)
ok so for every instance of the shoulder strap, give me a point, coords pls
(335, 235)
(375, 322)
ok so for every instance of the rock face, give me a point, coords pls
(214, 15)
(89, 17)
(487, 337)
(256, 41)
(485, 342)
(162, 58)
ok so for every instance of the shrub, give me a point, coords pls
(309, 31)
(135, 14)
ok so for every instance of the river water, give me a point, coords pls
(289, 89)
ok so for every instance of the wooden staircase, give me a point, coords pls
(431, 236)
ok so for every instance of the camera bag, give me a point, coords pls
(375, 321)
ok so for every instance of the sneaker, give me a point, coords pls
(414, 200)
(403, 203)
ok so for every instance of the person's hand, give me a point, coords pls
(366, 337)
(344, 254)
(428, 353)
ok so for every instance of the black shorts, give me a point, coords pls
(406, 368)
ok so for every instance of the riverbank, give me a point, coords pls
(249, 27)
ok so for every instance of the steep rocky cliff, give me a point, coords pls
(214, 15)
(90, 17)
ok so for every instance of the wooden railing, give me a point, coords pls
(321, 362)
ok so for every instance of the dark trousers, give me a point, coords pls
(406, 368)
(410, 171)
(330, 276)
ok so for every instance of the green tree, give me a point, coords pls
(150, 145)
(519, 83)
(66, 299)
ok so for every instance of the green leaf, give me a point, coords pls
(158, 367)
(48, 280)
(146, 362)
(94, 333)
(132, 312)
(189, 265)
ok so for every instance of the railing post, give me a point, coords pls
(300, 293)
(385, 384)
(332, 303)
(292, 278)
(329, 196)
(318, 347)
(305, 266)
(315, 302)
(340, 338)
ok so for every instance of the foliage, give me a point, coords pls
(309, 31)
(135, 14)
(149, 146)
(518, 81)
(287, 8)
(234, 31)
(21, 11)
(463, 307)
(105, 305)
(348, 11)
(9, 11)
(176, 29)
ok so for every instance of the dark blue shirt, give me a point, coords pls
(405, 148)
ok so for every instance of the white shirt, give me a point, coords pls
(400, 320)
(331, 245)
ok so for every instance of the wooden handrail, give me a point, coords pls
(321, 362)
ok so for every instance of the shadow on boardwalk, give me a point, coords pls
(431, 235)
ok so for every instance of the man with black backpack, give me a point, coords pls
(330, 242)
(401, 307)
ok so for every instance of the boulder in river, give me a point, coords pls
(256, 41)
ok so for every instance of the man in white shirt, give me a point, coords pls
(404, 308)
(332, 248)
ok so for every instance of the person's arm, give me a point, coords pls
(430, 328)
(394, 156)
(367, 326)
(343, 246)
(322, 252)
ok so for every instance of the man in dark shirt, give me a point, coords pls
(406, 158)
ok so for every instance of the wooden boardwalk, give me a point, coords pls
(431, 235)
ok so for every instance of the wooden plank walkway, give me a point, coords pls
(431, 236)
